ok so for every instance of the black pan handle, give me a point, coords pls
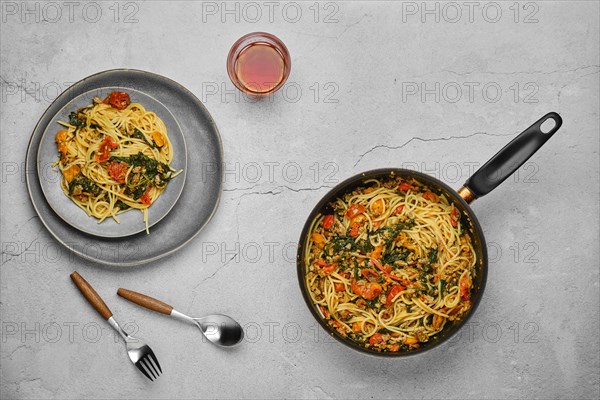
(509, 159)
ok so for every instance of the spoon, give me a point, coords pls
(218, 328)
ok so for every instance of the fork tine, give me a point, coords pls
(139, 366)
(153, 357)
(149, 364)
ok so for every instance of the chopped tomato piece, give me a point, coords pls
(394, 347)
(354, 230)
(386, 269)
(465, 288)
(454, 217)
(376, 253)
(354, 210)
(405, 187)
(327, 268)
(119, 100)
(372, 291)
(339, 287)
(377, 206)
(117, 171)
(318, 239)
(338, 325)
(328, 221)
(356, 327)
(411, 341)
(376, 339)
(367, 290)
(106, 146)
(146, 198)
(330, 268)
(398, 209)
(393, 292)
(357, 287)
(325, 312)
(431, 196)
(158, 139)
(71, 172)
(61, 136)
(370, 274)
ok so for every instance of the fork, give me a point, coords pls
(140, 354)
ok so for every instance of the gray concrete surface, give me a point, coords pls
(373, 84)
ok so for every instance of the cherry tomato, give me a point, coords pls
(431, 196)
(146, 198)
(376, 253)
(465, 288)
(338, 325)
(376, 339)
(106, 146)
(372, 291)
(354, 210)
(358, 288)
(370, 274)
(394, 290)
(398, 209)
(354, 230)
(454, 217)
(330, 268)
(327, 268)
(405, 187)
(394, 347)
(119, 100)
(328, 221)
(117, 170)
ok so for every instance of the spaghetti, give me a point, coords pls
(114, 156)
(391, 265)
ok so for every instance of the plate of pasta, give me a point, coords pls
(112, 162)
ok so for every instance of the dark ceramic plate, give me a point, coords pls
(132, 221)
(197, 202)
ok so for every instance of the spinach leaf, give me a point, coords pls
(86, 185)
(122, 205)
(137, 134)
(432, 257)
(75, 121)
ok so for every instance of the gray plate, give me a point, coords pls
(197, 202)
(132, 221)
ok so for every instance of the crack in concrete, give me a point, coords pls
(12, 256)
(570, 82)
(21, 87)
(416, 138)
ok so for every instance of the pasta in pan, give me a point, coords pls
(391, 266)
(114, 156)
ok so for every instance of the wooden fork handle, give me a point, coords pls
(145, 301)
(90, 294)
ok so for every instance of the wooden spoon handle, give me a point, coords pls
(145, 301)
(90, 294)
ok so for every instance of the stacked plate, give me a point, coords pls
(184, 208)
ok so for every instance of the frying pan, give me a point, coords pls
(488, 177)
